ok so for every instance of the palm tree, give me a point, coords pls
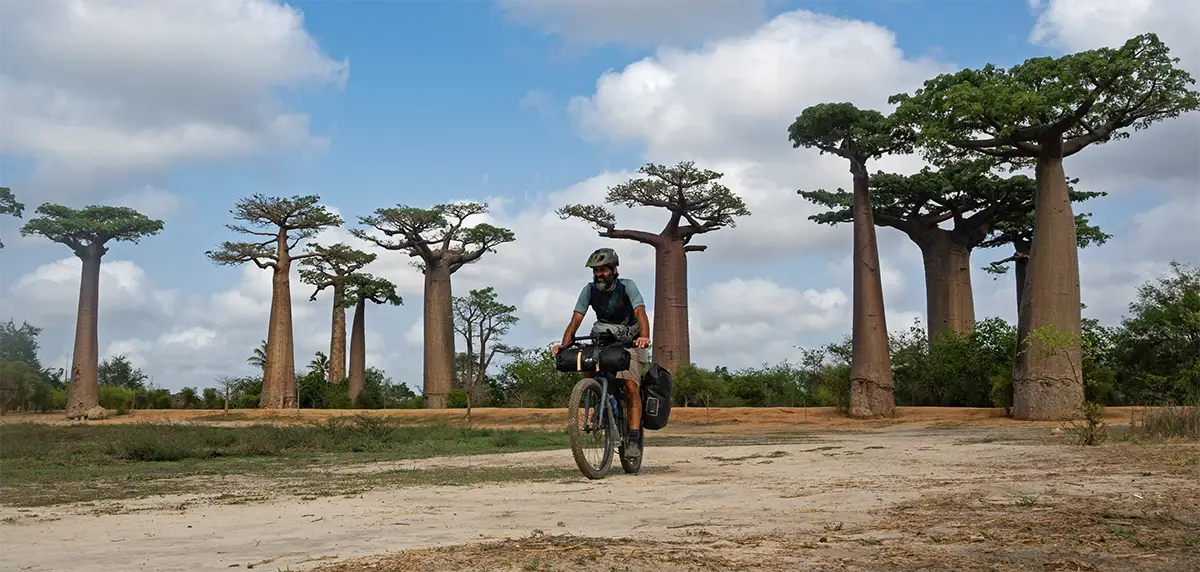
(259, 357)
(320, 363)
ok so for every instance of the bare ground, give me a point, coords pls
(941, 490)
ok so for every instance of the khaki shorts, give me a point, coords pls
(638, 362)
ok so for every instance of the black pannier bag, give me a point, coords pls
(609, 359)
(656, 397)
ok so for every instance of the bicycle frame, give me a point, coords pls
(613, 405)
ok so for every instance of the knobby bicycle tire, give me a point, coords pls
(575, 436)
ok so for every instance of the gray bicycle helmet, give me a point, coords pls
(603, 257)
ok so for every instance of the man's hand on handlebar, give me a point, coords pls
(566, 342)
(642, 342)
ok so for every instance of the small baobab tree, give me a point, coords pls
(286, 221)
(697, 204)
(439, 238)
(859, 135)
(87, 231)
(331, 268)
(360, 289)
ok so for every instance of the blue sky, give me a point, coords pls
(471, 100)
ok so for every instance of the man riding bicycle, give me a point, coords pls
(620, 312)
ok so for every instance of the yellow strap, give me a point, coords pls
(579, 361)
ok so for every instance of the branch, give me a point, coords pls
(906, 226)
(306, 255)
(695, 248)
(320, 287)
(637, 235)
(244, 230)
(1015, 257)
(415, 247)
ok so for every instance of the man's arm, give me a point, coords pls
(639, 308)
(572, 326)
(581, 308)
(643, 321)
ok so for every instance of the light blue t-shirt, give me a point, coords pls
(585, 296)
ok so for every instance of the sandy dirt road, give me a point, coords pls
(896, 498)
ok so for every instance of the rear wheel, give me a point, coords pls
(590, 429)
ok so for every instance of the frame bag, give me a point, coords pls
(656, 397)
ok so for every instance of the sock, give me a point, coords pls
(635, 435)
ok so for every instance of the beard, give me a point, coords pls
(606, 283)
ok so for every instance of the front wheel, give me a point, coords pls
(589, 428)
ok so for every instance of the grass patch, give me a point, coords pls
(50, 464)
(1168, 422)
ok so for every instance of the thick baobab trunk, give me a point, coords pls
(439, 336)
(871, 389)
(279, 376)
(337, 340)
(1047, 379)
(358, 352)
(672, 345)
(85, 361)
(949, 302)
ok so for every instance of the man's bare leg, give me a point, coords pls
(634, 404)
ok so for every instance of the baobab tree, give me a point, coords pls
(331, 268)
(360, 289)
(984, 209)
(1040, 112)
(859, 135)
(9, 205)
(698, 204)
(289, 220)
(439, 238)
(87, 231)
(482, 321)
(1017, 230)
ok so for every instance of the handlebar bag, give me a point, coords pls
(608, 359)
(578, 359)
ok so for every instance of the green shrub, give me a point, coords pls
(114, 397)
(456, 399)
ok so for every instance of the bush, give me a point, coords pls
(456, 399)
(1171, 421)
(114, 397)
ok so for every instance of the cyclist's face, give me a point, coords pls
(603, 276)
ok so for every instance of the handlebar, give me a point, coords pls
(602, 339)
